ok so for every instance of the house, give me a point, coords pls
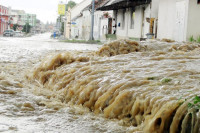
(17, 17)
(77, 19)
(134, 18)
(81, 21)
(179, 19)
(4, 18)
(20, 18)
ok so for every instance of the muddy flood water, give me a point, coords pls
(124, 86)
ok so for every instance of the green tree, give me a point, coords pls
(27, 28)
(15, 27)
(70, 4)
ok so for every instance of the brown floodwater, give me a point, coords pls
(123, 86)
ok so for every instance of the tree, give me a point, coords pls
(26, 28)
(70, 4)
(15, 27)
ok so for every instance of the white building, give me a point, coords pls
(81, 21)
(134, 19)
(179, 19)
(17, 16)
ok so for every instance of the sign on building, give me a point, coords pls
(61, 9)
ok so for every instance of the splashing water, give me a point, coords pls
(147, 86)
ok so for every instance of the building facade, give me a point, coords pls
(179, 19)
(20, 17)
(134, 19)
(4, 18)
(81, 21)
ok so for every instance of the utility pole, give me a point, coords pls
(92, 21)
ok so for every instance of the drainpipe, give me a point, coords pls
(99, 28)
(128, 19)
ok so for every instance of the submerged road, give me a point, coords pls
(22, 111)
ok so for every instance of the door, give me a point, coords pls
(110, 26)
(180, 21)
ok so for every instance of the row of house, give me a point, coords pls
(4, 18)
(9, 18)
(20, 17)
(137, 19)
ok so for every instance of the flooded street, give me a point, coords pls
(122, 86)
(21, 110)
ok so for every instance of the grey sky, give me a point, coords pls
(46, 10)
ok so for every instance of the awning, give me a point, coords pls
(121, 4)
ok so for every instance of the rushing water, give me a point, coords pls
(21, 110)
(48, 86)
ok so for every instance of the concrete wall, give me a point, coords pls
(125, 30)
(76, 29)
(154, 8)
(86, 25)
(97, 24)
(167, 19)
(193, 28)
(136, 31)
(83, 26)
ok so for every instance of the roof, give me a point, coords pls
(98, 3)
(121, 4)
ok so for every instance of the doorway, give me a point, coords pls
(110, 26)
(180, 21)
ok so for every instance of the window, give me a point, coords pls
(132, 18)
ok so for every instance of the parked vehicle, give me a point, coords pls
(9, 33)
(18, 34)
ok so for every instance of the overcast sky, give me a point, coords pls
(46, 10)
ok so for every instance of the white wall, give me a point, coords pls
(97, 25)
(121, 33)
(167, 19)
(154, 8)
(86, 25)
(137, 31)
(193, 28)
(76, 29)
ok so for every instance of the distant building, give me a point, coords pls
(4, 18)
(29, 18)
(20, 17)
(17, 17)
